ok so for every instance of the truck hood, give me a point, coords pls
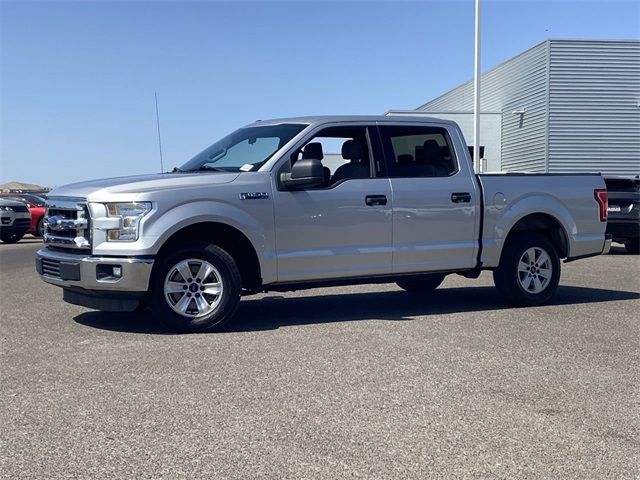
(139, 184)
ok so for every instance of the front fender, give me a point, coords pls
(158, 227)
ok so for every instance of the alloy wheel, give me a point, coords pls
(193, 288)
(535, 270)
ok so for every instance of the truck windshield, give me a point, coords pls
(245, 150)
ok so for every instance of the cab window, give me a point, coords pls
(415, 151)
(343, 151)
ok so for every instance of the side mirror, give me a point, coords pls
(305, 173)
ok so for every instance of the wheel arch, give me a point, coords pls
(545, 224)
(227, 237)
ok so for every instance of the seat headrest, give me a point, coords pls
(313, 150)
(352, 150)
(432, 151)
(405, 159)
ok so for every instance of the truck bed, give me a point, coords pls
(510, 197)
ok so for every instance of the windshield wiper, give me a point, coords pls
(203, 168)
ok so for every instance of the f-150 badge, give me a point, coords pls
(254, 196)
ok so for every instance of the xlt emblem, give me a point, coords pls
(254, 196)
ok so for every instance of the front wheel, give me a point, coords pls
(11, 237)
(529, 270)
(197, 288)
(39, 229)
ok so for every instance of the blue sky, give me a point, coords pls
(78, 78)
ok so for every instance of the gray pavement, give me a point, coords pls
(350, 382)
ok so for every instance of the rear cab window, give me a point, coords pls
(418, 151)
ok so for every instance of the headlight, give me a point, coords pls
(4, 208)
(130, 215)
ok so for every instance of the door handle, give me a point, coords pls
(373, 200)
(461, 197)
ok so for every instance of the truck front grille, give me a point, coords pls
(67, 224)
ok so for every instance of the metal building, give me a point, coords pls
(560, 106)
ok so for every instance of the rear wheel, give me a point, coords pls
(633, 246)
(422, 283)
(197, 288)
(529, 270)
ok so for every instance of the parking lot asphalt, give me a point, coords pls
(349, 382)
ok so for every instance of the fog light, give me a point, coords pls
(108, 273)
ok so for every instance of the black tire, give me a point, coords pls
(509, 280)
(229, 278)
(633, 246)
(11, 237)
(422, 283)
(39, 229)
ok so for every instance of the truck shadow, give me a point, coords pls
(274, 311)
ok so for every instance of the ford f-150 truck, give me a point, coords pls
(268, 209)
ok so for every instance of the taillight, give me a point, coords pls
(600, 194)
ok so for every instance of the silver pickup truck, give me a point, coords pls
(316, 201)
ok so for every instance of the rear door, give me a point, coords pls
(342, 228)
(435, 201)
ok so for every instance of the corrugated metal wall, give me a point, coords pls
(519, 83)
(594, 107)
(523, 86)
(581, 101)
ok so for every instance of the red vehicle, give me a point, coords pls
(36, 207)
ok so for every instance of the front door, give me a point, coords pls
(434, 200)
(343, 227)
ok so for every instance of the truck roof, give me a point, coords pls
(319, 119)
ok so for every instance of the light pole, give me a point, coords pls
(155, 94)
(476, 94)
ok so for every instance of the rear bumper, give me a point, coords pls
(622, 230)
(87, 272)
(607, 243)
(606, 246)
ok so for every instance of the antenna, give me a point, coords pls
(159, 137)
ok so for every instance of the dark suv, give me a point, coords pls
(624, 211)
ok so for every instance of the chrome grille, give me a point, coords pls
(67, 224)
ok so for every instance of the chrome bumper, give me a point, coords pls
(72, 270)
(607, 243)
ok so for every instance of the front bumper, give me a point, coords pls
(87, 272)
(18, 225)
(17, 229)
(607, 243)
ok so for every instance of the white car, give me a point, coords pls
(15, 220)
